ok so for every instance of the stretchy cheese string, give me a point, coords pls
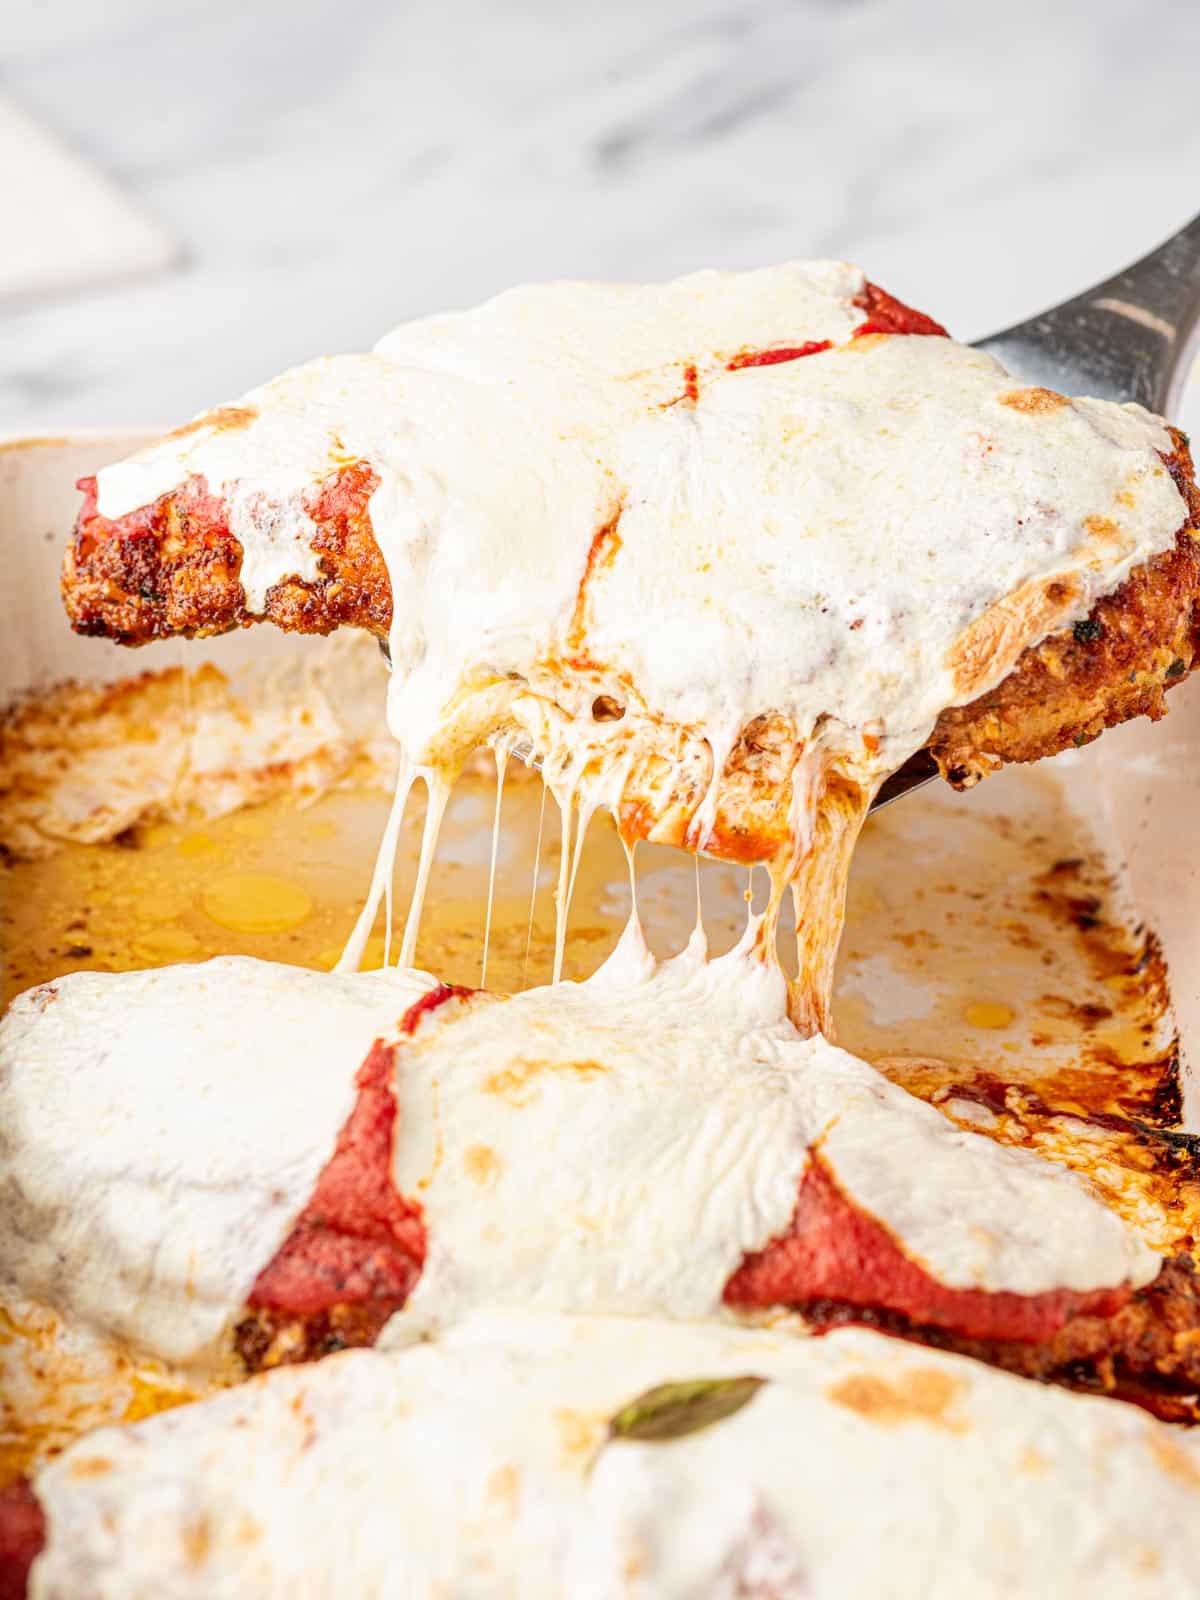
(533, 888)
(438, 789)
(569, 814)
(584, 812)
(501, 755)
(818, 886)
(381, 878)
(645, 434)
(389, 888)
(631, 860)
(827, 810)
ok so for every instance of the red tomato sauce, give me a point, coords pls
(205, 516)
(430, 1002)
(886, 314)
(834, 1251)
(22, 1537)
(778, 353)
(357, 1240)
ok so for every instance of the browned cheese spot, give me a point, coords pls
(512, 1082)
(1173, 1459)
(482, 1163)
(91, 1467)
(921, 1394)
(196, 1541)
(1033, 402)
(989, 647)
(578, 1433)
(504, 1487)
(1103, 528)
(224, 419)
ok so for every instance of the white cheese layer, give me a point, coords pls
(604, 1148)
(813, 538)
(620, 1145)
(616, 1147)
(161, 1131)
(483, 1466)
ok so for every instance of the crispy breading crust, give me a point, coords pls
(1147, 1353)
(173, 569)
(265, 1339)
(1118, 663)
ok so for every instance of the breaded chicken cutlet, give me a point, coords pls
(1084, 655)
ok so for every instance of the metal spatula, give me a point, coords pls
(1131, 337)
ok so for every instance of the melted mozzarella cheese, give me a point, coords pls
(582, 493)
(617, 1149)
(616, 1146)
(620, 1145)
(973, 1213)
(483, 1465)
(812, 538)
(161, 1131)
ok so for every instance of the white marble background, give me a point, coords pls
(329, 167)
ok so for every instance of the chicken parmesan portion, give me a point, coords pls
(237, 1157)
(693, 544)
(601, 1457)
(161, 1132)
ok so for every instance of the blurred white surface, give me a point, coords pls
(331, 168)
(77, 228)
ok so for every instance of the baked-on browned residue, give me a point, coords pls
(914, 1394)
(61, 1392)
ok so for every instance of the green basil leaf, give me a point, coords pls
(673, 1410)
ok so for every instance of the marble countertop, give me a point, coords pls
(330, 167)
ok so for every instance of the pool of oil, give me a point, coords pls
(982, 926)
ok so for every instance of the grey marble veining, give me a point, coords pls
(330, 167)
